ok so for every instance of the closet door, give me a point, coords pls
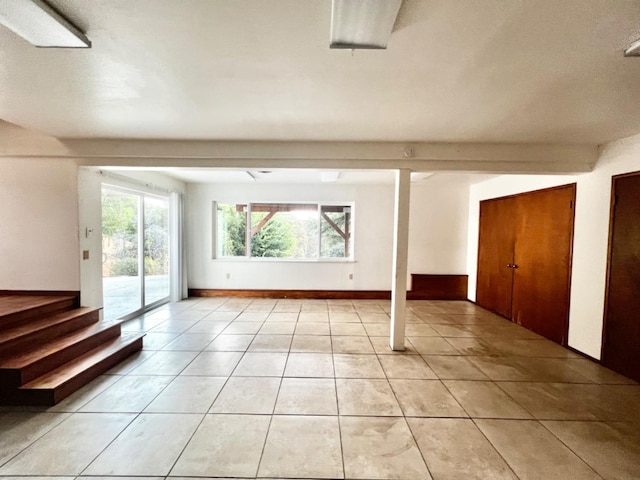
(495, 255)
(621, 341)
(542, 257)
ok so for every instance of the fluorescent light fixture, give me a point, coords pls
(633, 50)
(329, 177)
(39, 24)
(362, 23)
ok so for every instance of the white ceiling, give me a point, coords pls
(273, 176)
(300, 176)
(278, 176)
(455, 71)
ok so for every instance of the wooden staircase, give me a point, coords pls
(50, 347)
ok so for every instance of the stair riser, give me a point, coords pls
(9, 321)
(47, 397)
(49, 333)
(107, 364)
(9, 380)
(15, 378)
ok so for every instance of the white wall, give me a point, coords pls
(90, 224)
(591, 232)
(373, 223)
(591, 243)
(438, 225)
(38, 225)
(437, 242)
(89, 187)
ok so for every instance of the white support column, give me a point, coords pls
(400, 251)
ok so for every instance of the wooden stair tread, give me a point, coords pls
(26, 358)
(17, 331)
(67, 372)
(12, 304)
(50, 346)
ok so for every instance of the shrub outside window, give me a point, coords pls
(283, 230)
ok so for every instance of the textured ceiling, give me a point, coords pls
(455, 71)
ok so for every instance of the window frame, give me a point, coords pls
(318, 259)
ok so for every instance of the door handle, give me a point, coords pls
(512, 265)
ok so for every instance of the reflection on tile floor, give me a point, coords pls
(265, 388)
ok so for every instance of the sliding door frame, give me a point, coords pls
(142, 194)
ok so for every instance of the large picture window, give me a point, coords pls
(283, 230)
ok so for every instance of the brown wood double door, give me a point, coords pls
(621, 339)
(524, 259)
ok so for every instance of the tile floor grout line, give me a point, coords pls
(109, 443)
(497, 384)
(415, 440)
(455, 398)
(494, 447)
(67, 416)
(186, 444)
(335, 386)
(570, 449)
(404, 419)
(122, 376)
(273, 409)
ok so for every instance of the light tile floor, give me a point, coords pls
(262, 388)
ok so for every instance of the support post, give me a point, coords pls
(400, 253)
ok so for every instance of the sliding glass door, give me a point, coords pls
(135, 251)
(156, 249)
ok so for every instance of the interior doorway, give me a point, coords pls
(135, 251)
(621, 335)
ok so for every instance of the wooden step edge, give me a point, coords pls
(58, 384)
(55, 305)
(16, 304)
(10, 342)
(21, 369)
(48, 320)
(24, 358)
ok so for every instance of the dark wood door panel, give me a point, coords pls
(495, 253)
(524, 259)
(543, 246)
(621, 339)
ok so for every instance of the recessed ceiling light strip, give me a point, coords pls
(41, 25)
(362, 24)
(633, 50)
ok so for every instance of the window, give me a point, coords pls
(283, 230)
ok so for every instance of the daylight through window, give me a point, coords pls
(284, 230)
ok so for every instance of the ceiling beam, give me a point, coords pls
(466, 166)
(426, 157)
(261, 155)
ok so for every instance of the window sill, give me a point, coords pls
(283, 260)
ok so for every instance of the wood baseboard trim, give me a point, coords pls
(295, 294)
(438, 287)
(316, 294)
(429, 287)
